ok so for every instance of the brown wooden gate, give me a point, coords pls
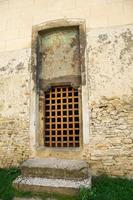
(61, 114)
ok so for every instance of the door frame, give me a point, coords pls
(35, 138)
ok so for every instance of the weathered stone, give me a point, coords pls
(128, 141)
(115, 138)
(19, 198)
(108, 76)
(62, 186)
(14, 117)
(55, 168)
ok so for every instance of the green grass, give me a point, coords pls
(107, 188)
(103, 188)
(6, 178)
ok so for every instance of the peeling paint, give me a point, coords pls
(60, 53)
(110, 61)
(20, 66)
(14, 107)
(127, 37)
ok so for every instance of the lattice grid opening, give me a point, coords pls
(62, 123)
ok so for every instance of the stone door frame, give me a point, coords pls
(34, 102)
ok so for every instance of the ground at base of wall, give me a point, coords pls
(21, 198)
(103, 188)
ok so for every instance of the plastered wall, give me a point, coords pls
(109, 50)
(110, 82)
(17, 17)
(14, 107)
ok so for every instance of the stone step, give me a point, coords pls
(61, 186)
(55, 168)
(24, 198)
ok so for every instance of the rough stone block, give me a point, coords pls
(61, 186)
(55, 168)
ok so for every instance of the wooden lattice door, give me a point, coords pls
(61, 117)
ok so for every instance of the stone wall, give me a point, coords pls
(110, 82)
(111, 139)
(14, 107)
(109, 72)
